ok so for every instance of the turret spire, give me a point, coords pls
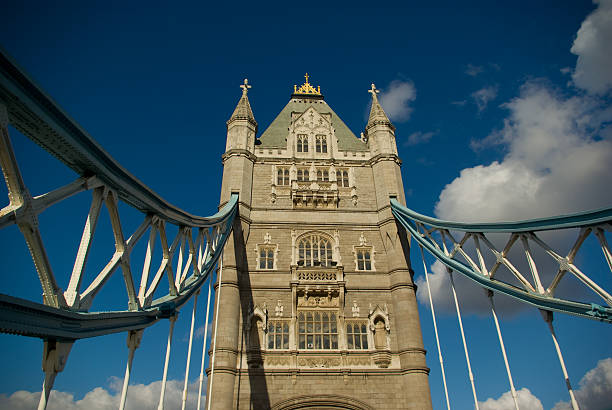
(377, 114)
(243, 109)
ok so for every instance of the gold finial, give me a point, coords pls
(245, 87)
(307, 88)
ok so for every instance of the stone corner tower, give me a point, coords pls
(317, 306)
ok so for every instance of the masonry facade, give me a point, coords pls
(317, 307)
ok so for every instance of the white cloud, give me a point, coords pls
(419, 137)
(460, 103)
(396, 100)
(526, 401)
(140, 396)
(593, 47)
(483, 96)
(472, 298)
(558, 151)
(595, 392)
(473, 70)
(557, 160)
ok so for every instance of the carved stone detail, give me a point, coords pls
(319, 362)
(358, 361)
(277, 360)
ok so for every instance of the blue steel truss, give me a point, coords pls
(432, 234)
(65, 315)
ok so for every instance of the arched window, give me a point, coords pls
(302, 143)
(314, 250)
(343, 179)
(302, 175)
(323, 176)
(321, 143)
(283, 176)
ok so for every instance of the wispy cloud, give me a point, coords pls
(460, 103)
(483, 96)
(396, 99)
(473, 70)
(419, 137)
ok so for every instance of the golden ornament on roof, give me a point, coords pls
(307, 88)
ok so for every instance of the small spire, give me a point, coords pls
(377, 114)
(243, 108)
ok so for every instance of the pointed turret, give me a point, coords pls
(242, 127)
(243, 108)
(377, 114)
(379, 131)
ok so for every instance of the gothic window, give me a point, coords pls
(317, 330)
(357, 335)
(321, 143)
(278, 334)
(314, 250)
(302, 175)
(302, 143)
(282, 176)
(323, 176)
(364, 259)
(266, 257)
(343, 179)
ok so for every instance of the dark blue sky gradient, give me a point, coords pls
(154, 82)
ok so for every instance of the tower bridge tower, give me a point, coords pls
(317, 305)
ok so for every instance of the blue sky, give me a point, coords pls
(502, 112)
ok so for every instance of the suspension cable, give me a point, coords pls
(214, 341)
(433, 317)
(193, 314)
(467, 356)
(172, 321)
(548, 318)
(503, 348)
(204, 345)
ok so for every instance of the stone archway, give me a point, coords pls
(321, 402)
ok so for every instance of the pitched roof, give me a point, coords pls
(276, 134)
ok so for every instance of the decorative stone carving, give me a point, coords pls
(362, 240)
(382, 359)
(358, 361)
(278, 360)
(279, 309)
(355, 309)
(316, 276)
(378, 312)
(318, 298)
(319, 362)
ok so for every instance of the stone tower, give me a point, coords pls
(317, 304)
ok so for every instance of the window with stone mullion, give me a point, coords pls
(315, 250)
(278, 335)
(321, 144)
(364, 259)
(302, 143)
(283, 176)
(266, 258)
(357, 336)
(317, 330)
